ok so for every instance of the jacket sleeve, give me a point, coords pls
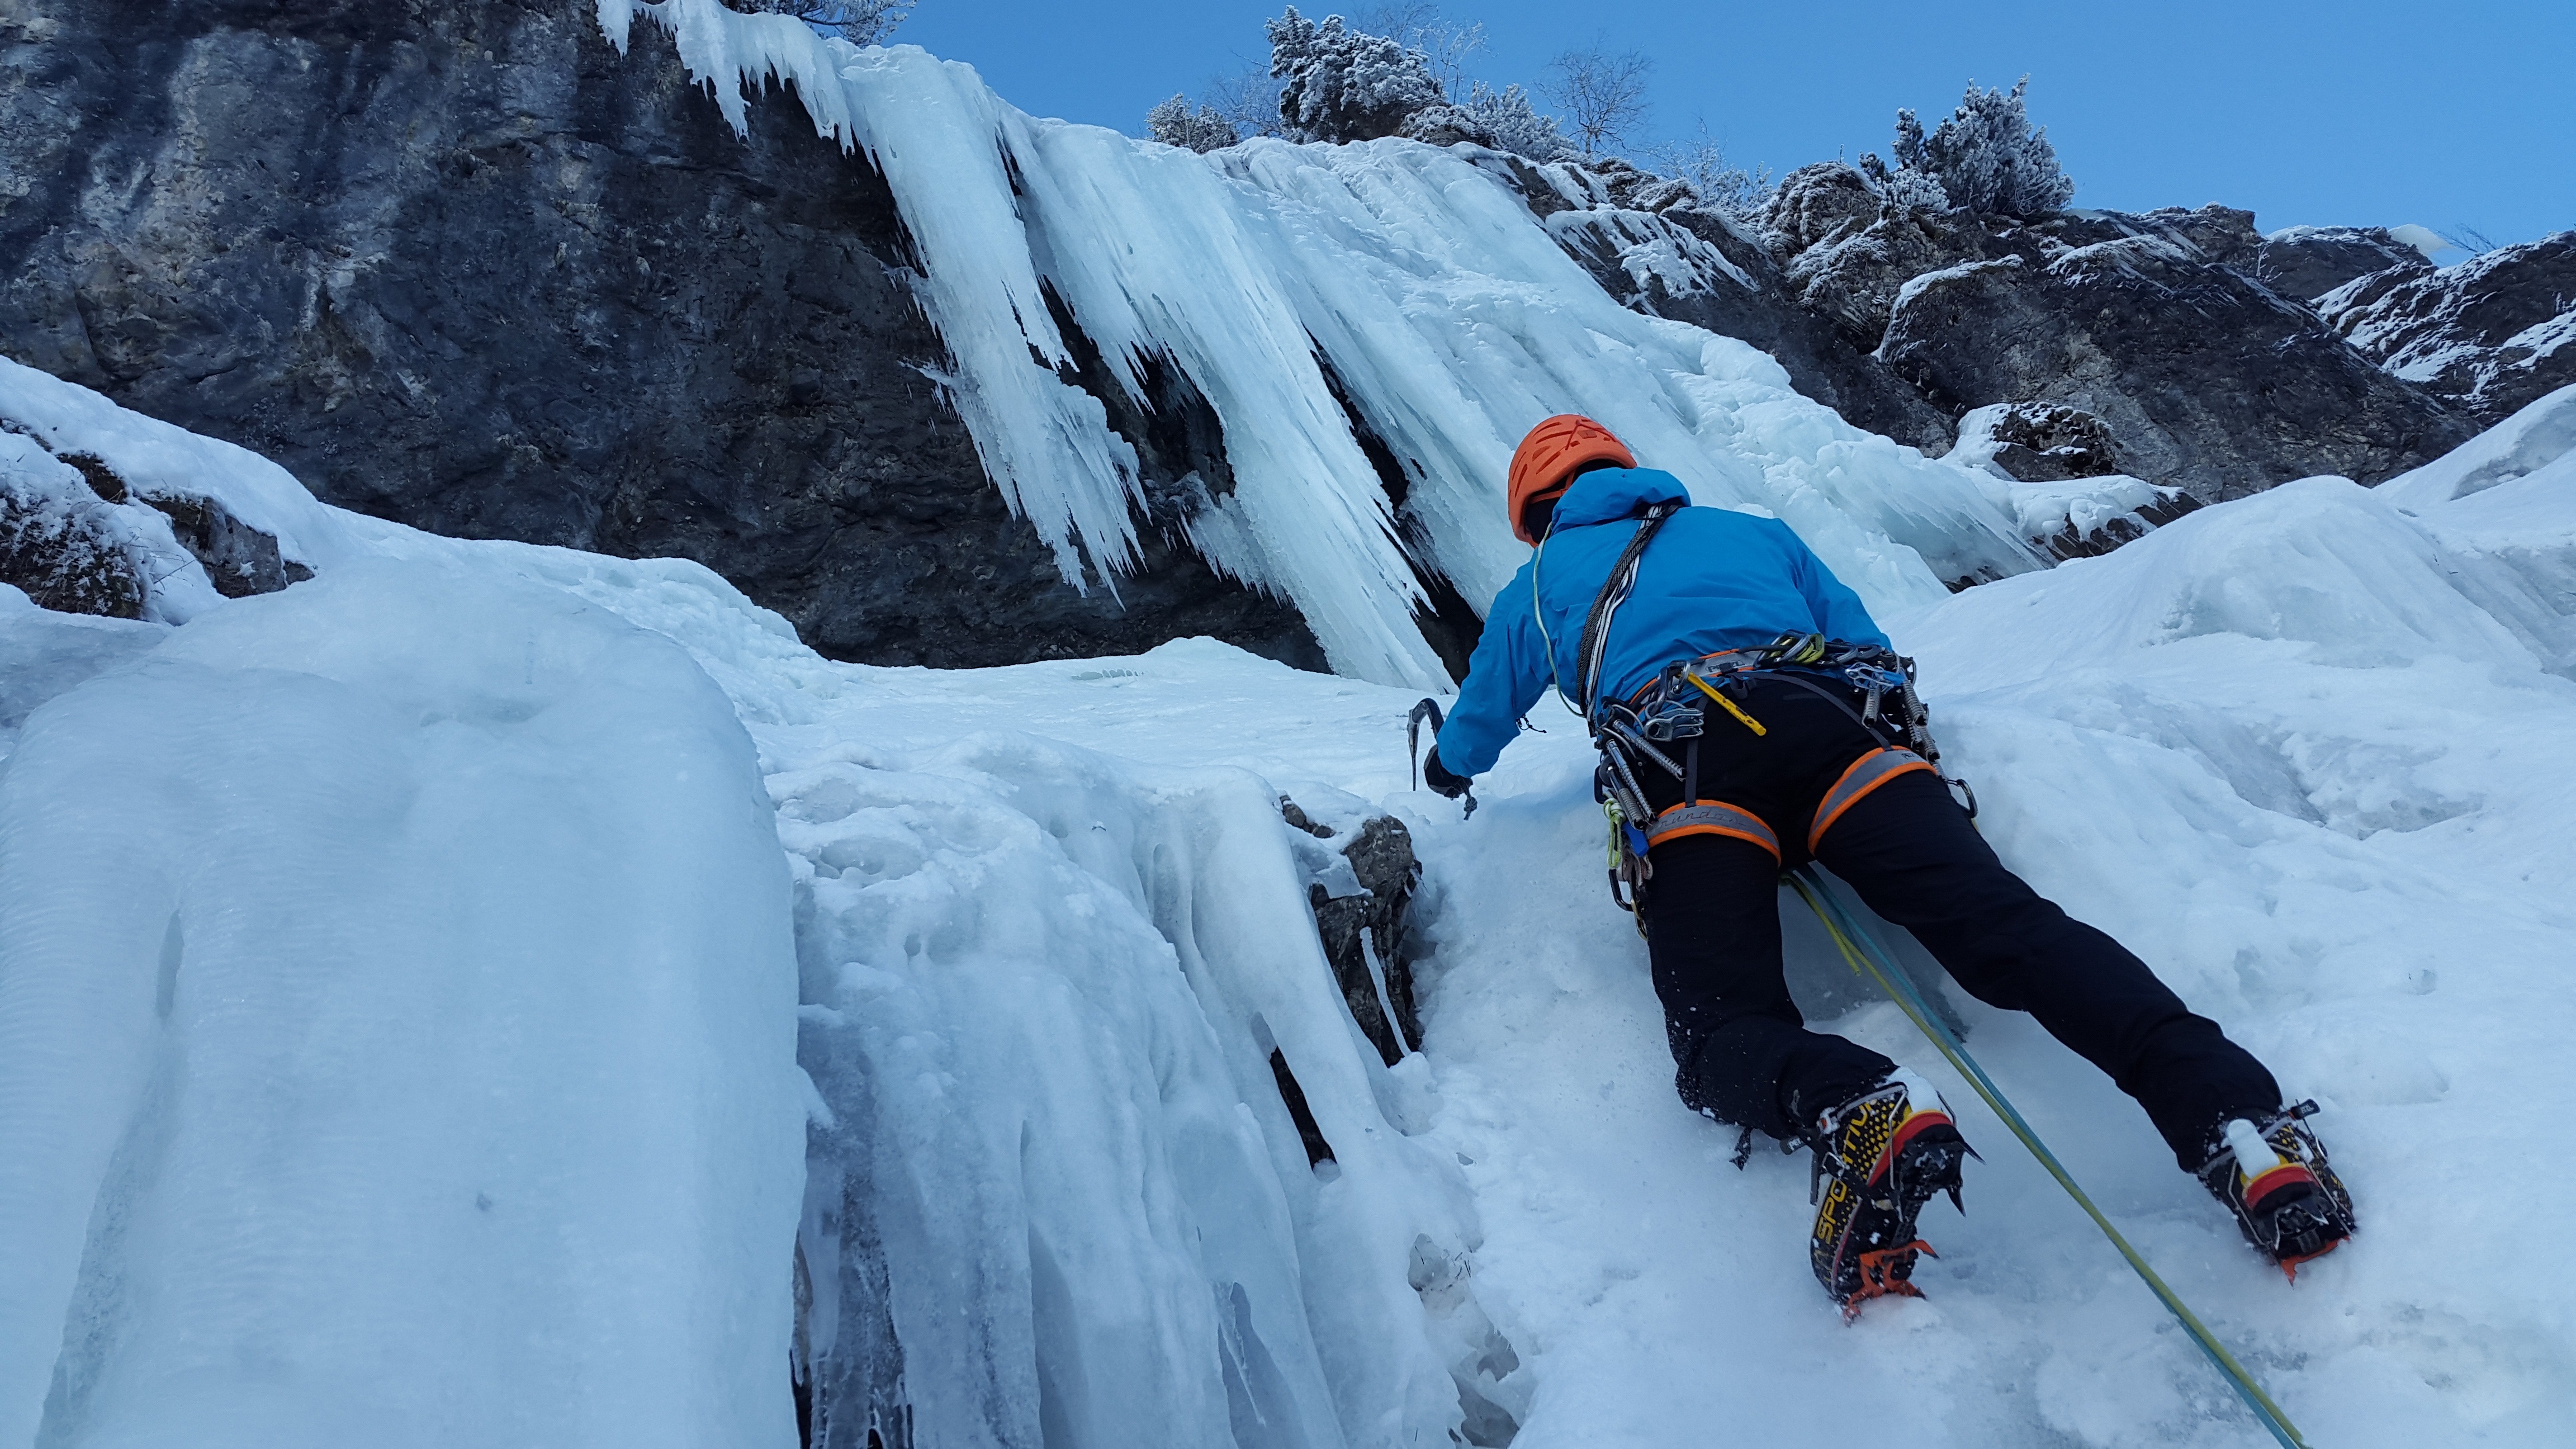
(1506, 675)
(1838, 611)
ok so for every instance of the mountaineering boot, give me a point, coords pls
(1878, 1158)
(2274, 1176)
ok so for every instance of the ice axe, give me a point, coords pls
(1429, 710)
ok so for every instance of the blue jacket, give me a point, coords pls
(1712, 580)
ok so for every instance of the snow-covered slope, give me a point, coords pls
(395, 1028)
(1452, 319)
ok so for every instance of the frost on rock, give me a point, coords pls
(60, 543)
(2490, 335)
(1450, 322)
(2062, 474)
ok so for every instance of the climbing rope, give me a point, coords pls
(1869, 960)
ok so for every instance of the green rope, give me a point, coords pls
(1811, 889)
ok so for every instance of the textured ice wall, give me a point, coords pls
(456, 836)
(396, 1035)
(1452, 317)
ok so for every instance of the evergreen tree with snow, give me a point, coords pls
(1516, 125)
(1986, 157)
(1341, 84)
(1174, 124)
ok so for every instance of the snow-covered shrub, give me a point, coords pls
(1905, 188)
(60, 542)
(1442, 124)
(860, 22)
(1516, 125)
(1174, 124)
(1342, 84)
(1716, 183)
(1986, 157)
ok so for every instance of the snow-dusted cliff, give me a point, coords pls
(415, 981)
(1285, 282)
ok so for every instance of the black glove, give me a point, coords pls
(1437, 776)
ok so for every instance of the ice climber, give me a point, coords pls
(1752, 716)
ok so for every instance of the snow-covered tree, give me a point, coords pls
(1516, 125)
(1174, 124)
(1986, 157)
(1341, 84)
(860, 22)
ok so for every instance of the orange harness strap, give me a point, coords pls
(1866, 774)
(1712, 817)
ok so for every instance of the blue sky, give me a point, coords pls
(2362, 112)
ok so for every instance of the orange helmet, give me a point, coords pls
(1545, 461)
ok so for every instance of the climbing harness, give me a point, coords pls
(1614, 780)
(1669, 716)
(1869, 959)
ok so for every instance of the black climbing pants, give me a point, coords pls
(1712, 911)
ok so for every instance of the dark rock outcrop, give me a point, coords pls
(2198, 374)
(1855, 276)
(2491, 334)
(2208, 381)
(1816, 204)
(1656, 253)
(240, 560)
(465, 266)
(2306, 262)
(2048, 443)
(1380, 854)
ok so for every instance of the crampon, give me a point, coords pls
(2273, 1175)
(1878, 1159)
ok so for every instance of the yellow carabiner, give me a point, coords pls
(1724, 703)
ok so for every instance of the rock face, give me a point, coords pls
(2045, 443)
(465, 266)
(2208, 381)
(2491, 334)
(1657, 254)
(2181, 334)
(2306, 262)
(1381, 861)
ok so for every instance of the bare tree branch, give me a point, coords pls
(1445, 47)
(861, 22)
(1602, 95)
